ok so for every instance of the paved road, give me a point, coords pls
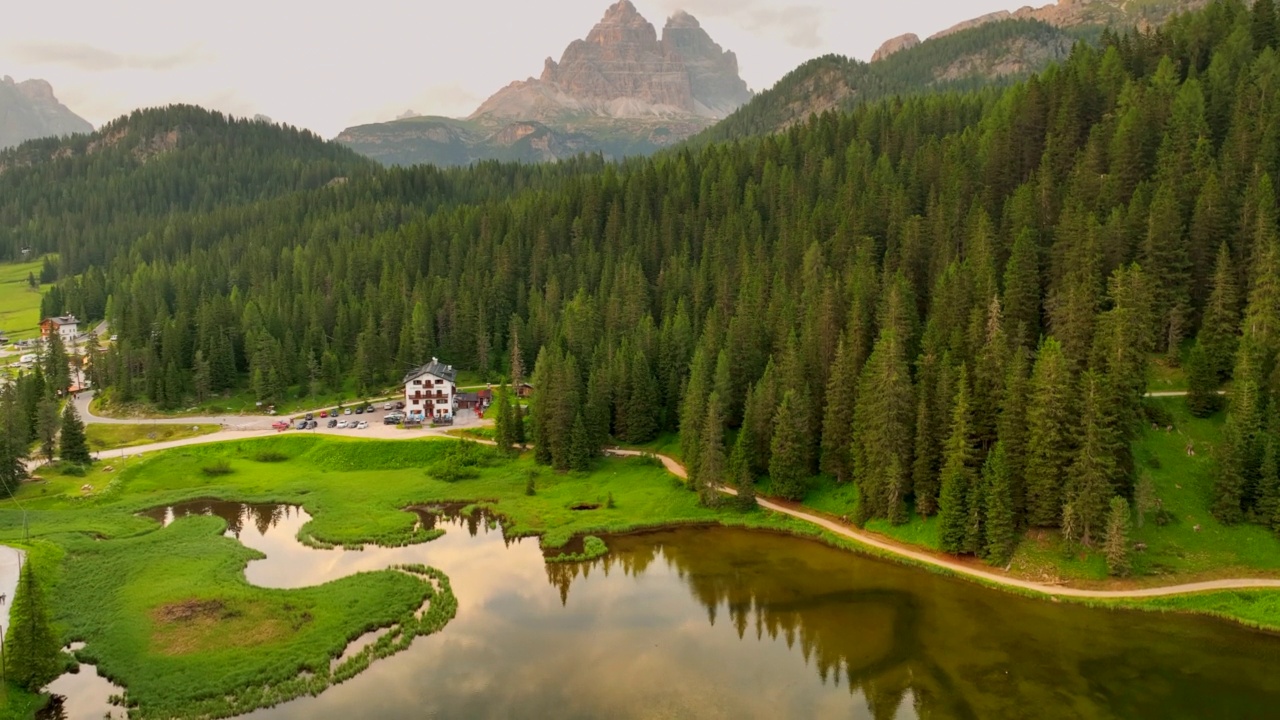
(229, 422)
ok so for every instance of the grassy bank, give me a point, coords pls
(114, 437)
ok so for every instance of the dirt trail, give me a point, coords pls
(843, 530)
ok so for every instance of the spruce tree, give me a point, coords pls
(1117, 542)
(1001, 524)
(1221, 322)
(1022, 289)
(883, 422)
(74, 445)
(580, 451)
(788, 472)
(1090, 477)
(47, 427)
(1050, 427)
(837, 423)
(1202, 383)
(740, 472)
(712, 462)
(57, 372)
(1011, 429)
(32, 652)
(14, 442)
(1145, 499)
(958, 474)
(504, 420)
(1268, 507)
(693, 408)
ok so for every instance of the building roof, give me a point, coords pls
(64, 320)
(468, 397)
(435, 367)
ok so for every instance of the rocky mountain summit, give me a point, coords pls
(622, 90)
(29, 110)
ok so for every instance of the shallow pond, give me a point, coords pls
(715, 622)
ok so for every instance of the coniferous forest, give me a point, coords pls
(950, 301)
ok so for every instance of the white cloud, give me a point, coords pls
(86, 57)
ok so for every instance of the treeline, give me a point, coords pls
(949, 301)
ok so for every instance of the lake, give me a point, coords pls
(715, 622)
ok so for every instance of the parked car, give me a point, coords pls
(310, 417)
(400, 405)
(360, 410)
(347, 411)
(332, 424)
(392, 419)
(324, 414)
(302, 425)
(342, 425)
(363, 425)
(280, 425)
(388, 406)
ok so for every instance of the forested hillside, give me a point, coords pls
(949, 301)
(991, 54)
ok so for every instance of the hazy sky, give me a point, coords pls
(326, 66)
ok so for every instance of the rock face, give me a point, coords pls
(29, 110)
(1078, 13)
(622, 90)
(894, 45)
(623, 70)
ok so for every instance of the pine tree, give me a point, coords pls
(712, 463)
(1221, 322)
(13, 441)
(883, 422)
(32, 653)
(1202, 383)
(504, 420)
(693, 408)
(1011, 428)
(580, 451)
(1117, 542)
(787, 468)
(75, 447)
(1090, 477)
(1001, 524)
(1268, 508)
(517, 360)
(1050, 427)
(57, 372)
(1144, 497)
(837, 423)
(740, 472)
(1022, 289)
(47, 427)
(958, 474)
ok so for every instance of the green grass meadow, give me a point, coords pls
(19, 304)
(112, 437)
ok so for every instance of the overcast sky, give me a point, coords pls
(326, 66)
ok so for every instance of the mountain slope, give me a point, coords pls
(29, 110)
(993, 48)
(621, 91)
(56, 192)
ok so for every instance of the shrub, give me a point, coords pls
(610, 503)
(449, 471)
(218, 467)
(270, 456)
(74, 470)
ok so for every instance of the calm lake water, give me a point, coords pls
(715, 622)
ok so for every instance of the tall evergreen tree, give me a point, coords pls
(882, 431)
(1001, 523)
(32, 652)
(47, 425)
(1050, 427)
(837, 424)
(74, 445)
(14, 442)
(713, 465)
(1117, 542)
(958, 474)
(788, 472)
(1092, 472)
(1221, 322)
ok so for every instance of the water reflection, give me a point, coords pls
(715, 622)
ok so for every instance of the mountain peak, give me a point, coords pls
(29, 110)
(682, 20)
(623, 70)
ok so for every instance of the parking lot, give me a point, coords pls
(376, 420)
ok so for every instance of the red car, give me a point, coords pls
(279, 426)
(324, 413)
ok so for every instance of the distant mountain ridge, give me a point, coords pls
(622, 90)
(29, 110)
(996, 47)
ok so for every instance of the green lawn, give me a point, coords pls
(19, 304)
(112, 437)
